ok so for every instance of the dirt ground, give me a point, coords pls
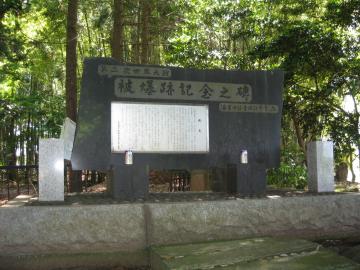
(13, 191)
(97, 194)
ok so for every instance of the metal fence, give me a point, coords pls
(180, 180)
(23, 179)
(169, 181)
(16, 180)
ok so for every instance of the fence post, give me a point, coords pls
(8, 189)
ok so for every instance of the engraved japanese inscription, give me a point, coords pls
(159, 128)
(248, 108)
(181, 90)
(133, 71)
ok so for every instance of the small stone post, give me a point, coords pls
(51, 170)
(320, 161)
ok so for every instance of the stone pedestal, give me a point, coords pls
(320, 160)
(251, 179)
(128, 181)
(51, 170)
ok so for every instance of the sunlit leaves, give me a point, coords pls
(344, 13)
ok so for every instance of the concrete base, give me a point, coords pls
(134, 227)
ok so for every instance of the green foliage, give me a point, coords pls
(288, 176)
(344, 13)
(31, 94)
(291, 173)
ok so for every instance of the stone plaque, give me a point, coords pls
(159, 128)
(133, 71)
(248, 108)
(181, 90)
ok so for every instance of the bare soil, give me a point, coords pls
(13, 192)
(159, 193)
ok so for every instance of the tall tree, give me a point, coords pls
(71, 64)
(117, 40)
(71, 79)
(146, 7)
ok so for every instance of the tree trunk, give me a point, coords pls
(351, 167)
(145, 18)
(117, 48)
(341, 172)
(71, 64)
(2, 143)
(28, 142)
(299, 136)
(358, 135)
(88, 31)
(71, 41)
(135, 38)
(103, 44)
(354, 175)
(11, 155)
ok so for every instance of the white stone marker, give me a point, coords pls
(68, 135)
(320, 160)
(51, 170)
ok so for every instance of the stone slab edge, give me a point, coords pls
(134, 227)
(94, 260)
(64, 229)
(310, 217)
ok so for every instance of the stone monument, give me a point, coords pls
(175, 118)
(320, 160)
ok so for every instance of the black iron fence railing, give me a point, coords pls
(169, 181)
(18, 179)
(23, 179)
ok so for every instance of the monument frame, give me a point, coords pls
(244, 115)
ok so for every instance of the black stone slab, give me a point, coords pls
(229, 132)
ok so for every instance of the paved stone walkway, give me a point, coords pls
(256, 253)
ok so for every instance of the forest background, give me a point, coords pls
(316, 42)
